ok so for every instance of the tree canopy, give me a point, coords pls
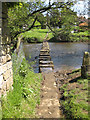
(22, 16)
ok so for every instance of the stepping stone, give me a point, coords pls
(44, 54)
(44, 58)
(46, 62)
(46, 65)
(42, 50)
(45, 69)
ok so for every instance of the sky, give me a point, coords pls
(79, 7)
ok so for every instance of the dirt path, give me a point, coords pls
(49, 103)
(50, 106)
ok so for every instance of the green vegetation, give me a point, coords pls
(82, 34)
(36, 35)
(75, 99)
(23, 17)
(22, 100)
(79, 36)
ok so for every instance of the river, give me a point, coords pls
(64, 55)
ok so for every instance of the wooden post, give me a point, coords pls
(85, 68)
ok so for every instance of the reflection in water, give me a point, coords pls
(32, 54)
(64, 55)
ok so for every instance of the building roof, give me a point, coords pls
(83, 24)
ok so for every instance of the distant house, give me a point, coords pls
(82, 19)
(84, 24)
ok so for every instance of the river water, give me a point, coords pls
(64, 55)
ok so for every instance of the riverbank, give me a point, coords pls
(39, 35)
(73, 94)
(36, 35)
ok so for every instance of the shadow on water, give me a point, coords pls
(64, 55)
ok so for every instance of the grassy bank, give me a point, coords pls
(36, 35)
(75, 99)
(79, 36)
(22, 100)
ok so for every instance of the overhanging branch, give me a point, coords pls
(28, 28)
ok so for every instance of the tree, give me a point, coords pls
(63, 18)
(22, 16)
(42, 19)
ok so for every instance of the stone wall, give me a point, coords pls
(6, 74)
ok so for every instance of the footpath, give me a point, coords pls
(49, 103)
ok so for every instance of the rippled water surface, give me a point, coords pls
(64, 55)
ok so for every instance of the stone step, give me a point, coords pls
(46, 62)
(44, 58)
(46, 65)
(44, 54)
(43, 50)
(44, 69)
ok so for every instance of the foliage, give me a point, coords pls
(42, 19)
(22, 16)
(18, 21)
(22, 100)
(68, 19)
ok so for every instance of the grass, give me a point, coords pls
(75, 99)
(36, 35)
(22, 100)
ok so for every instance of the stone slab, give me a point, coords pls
(1, 70)
(3, 59)
(1, 81)
(7, 74)
(46, 62)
